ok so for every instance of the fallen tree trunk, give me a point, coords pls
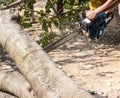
(16, 86)
(40, 71)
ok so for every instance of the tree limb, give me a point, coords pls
(16, 86)
(12, 4)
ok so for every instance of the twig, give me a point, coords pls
(36, 11)
(12, 5)
(30, 10)
(53, 7)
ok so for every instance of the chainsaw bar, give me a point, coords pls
(61, 41)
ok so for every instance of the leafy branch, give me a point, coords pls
(68, 21)
(12, 4)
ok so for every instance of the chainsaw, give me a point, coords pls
(95, 29)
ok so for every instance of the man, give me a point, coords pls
(99, 6)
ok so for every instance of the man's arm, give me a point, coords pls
(109, 4)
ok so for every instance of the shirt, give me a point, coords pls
(96, 3)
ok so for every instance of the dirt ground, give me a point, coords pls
(95, 65)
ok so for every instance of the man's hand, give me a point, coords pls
(91, 14)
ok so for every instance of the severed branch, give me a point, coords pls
(17, 86)
(12, 5)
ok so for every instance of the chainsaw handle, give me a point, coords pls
(83, 15)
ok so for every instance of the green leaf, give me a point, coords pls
(26, 24)
(44, 26)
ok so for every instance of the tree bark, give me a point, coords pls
(38, 68)
(16, 86)
(60, 7)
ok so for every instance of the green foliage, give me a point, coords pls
(29, 3)
(28, 13)
(10, 1)
(6, 2)
(27, 6)
(67, 21)
(49, 17)
(47, 38)
(71, 14)
(1, 2)
(25, 22)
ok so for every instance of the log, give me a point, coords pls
(15, 86)
(45, 78)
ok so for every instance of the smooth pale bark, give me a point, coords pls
(16, 86)
(119, 9)
(40, 71)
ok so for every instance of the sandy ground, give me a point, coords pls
(94, 67)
